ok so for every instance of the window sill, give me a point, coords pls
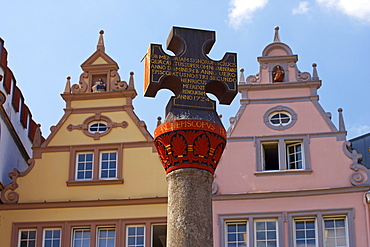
(282, 172)
(95, 182)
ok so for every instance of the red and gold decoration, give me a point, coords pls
(190, 143)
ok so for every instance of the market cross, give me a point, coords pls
(190, 74)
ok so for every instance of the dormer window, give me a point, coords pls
(99, 127)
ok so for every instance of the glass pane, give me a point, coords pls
(231, 228)
(113, 156)
(131, 240)
(112, 174)
(261, 236)
(140, 230)
(271, 225)
(231, 237)
(48, 234)
(32, 234)
(104, 156)
(271, 243)
(339, 223)
(260, 225)
(329, 223)
(112, 164)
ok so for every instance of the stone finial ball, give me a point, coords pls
(68, 78)
(276, 28)
(131, 73)
(101, 32)
(241, 70)
(314, 65)
(340, 110)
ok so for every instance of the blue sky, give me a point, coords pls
(49, 40)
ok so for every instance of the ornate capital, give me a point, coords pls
(190, 143)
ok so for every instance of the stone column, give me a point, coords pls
(189, 222)
(190, 150)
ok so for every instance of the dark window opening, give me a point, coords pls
(271, 156)
(159, 235)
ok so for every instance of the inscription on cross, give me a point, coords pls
(190, 74)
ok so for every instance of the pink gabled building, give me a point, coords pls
(288, 177)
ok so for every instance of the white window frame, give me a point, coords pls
(276, 230)
(345, 229)
(100, 229)
(52, 238)
(74, 230)
(127, 235)
(109, 160)
(28, 239)
(227, 223)
(280, 118)
(101, 124)
(295, 229)
(84, 171)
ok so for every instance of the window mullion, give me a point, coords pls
(282, 155)
(96, 164)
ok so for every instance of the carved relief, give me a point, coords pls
(82, 85)
(190, 148)
(8, 195)
(361, 176)
(117, 84)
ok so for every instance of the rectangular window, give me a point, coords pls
(305, 233)
(81, 238)
(135, 236)
(236, 234)
(335, 232)
(294, 155)
(159, 234)
(52, 237)
(266, 233)
(106, 237)
(282, 155)
(27, 238)
(108, 165)
(84, 167)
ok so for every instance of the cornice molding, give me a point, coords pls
(92, 203)
(292, 193)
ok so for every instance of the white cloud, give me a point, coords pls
(359, 9)
(301, 9)
(241, 11)
(358, 130)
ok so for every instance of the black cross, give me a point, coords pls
(190, 74)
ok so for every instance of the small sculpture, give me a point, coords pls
(278, 74)
(99, 86)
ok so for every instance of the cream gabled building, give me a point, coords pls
(96, 180)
